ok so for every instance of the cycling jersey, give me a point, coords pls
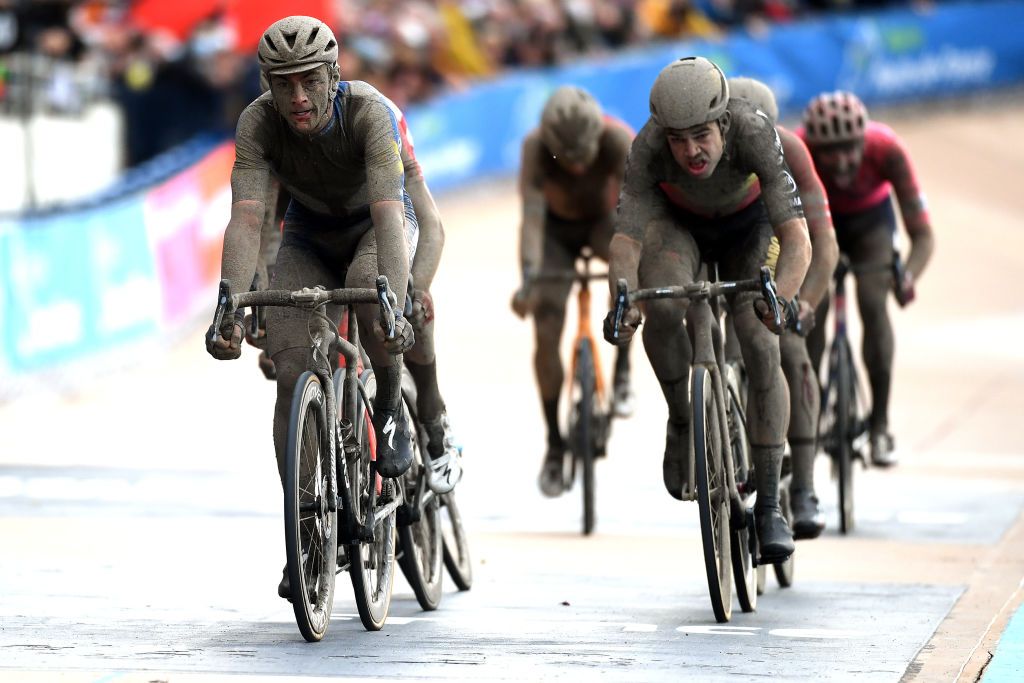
(354, 162)
(752, 167)
(885, 166)
(812, 191)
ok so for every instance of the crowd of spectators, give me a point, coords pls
(58, 55)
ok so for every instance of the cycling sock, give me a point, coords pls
(767, 468)
(429, 403)
(389, 387)
(622, 365)
(678, 400)
(551, 418)
(803, 463)
(880, 382)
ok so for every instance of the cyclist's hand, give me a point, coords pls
(402, 341)
(259, 340)
(631, 320)
(765, 314)
(806, 317)
(422, 309)
(905, 290)
(227, 345)
(521, 302)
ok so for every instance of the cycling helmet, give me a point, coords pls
(296, 44)
(835, 117)
(757, 93)
(571, 123)
(688, 92)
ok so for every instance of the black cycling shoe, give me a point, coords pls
(773, 536)
(394, 441)
(808, 521)
(284, 589)
(677, 441)
(550, 478)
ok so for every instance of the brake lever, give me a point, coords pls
(621, 302)
(387, 309)
(223, 296)
(770, 295)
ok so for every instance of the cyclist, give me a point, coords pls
(860, 162)
(706, 180)
(804, 398)
(571, 171)
(420, 360)
(334, 145)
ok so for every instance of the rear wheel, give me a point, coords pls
(456, 544)
(583, 428)
(311, 533)
(421, 542)
(712, 493)
(372, 567)
(784, 569)
(743, 571)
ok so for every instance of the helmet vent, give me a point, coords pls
(289, 38)
(312, 35)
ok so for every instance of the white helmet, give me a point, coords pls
(295, 44)
(688, 92)
(757, 93)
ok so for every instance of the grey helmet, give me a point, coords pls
(757, 93)
(295, 44)
(689, 92)
(571, 123)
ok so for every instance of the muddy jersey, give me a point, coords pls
(752, 166)
(354, 162)
(585, 197)
(885, 167)
(812, 191)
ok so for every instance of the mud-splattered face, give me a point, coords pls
(839, 163)
(303, 99)
(697, 150)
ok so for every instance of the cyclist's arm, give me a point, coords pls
(250, 179)
(534, 207)
(639, 202)
(431, 241)
(794, 256)
(824, 249)
(913, 208)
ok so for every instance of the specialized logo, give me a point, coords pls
(389, 431)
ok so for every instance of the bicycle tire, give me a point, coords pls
(421, 544)
(456, 544)
(712, 494)
(784, 570)
(844, 426)
(743, 571)
(584, 435)
(372, 567)
(311, 530)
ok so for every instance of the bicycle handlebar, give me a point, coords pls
(564, 276)
(306, 297)
(697, 290)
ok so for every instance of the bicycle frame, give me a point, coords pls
(584, 327)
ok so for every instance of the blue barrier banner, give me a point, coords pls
(75, 284)
(886, 58)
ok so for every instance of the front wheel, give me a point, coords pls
(784, 569)
(841, 406)
(311, 533)
(372, 567)
(743, 571)
(583, 427)
(421, 543)
(712, 492)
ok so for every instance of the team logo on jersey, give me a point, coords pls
(789, 183)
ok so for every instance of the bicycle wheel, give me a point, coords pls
(583, 426)
(712, 493)
(456, 544)
(743, 571)
(845, 424)
(311, 533)
(421, 543)
(784, 569)
(372, 568)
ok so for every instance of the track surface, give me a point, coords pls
(140, 516)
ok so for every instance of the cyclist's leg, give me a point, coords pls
(622, 399)
(816, 337)
(548, 321)
(768, 398)
(390, 421)
(670, 257)
(873, 247)
(804, 399)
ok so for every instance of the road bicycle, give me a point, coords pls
(844, 427)
(590, 412)
(333, 495)
(718, 473)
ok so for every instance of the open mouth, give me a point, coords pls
(302, 116)
(697, 166)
